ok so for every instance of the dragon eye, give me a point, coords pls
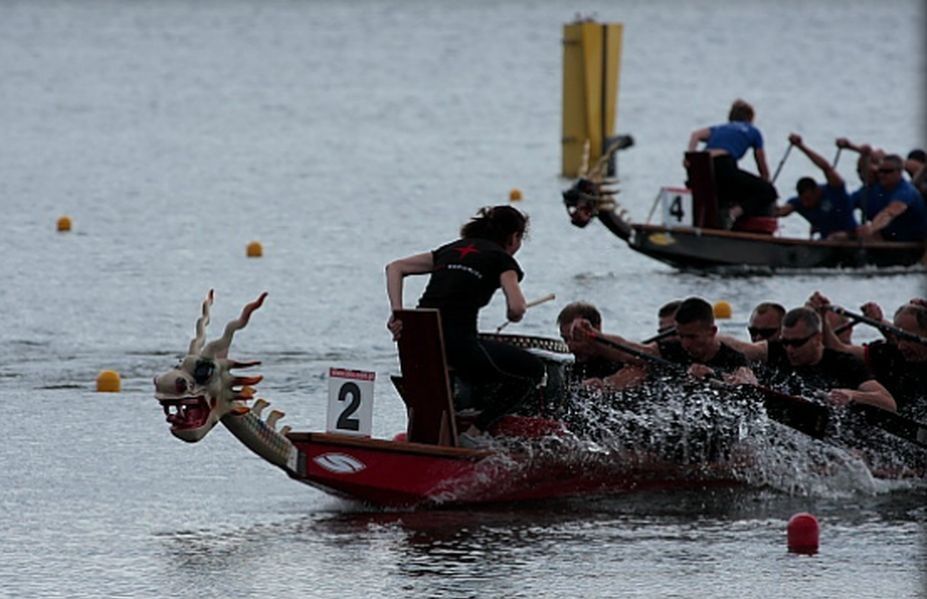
(203, 370)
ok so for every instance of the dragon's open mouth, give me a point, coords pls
(186, 412)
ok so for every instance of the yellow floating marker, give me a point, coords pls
(722, 309)
(108, 382)
(255, 250)
(515, 195)
(64, 224)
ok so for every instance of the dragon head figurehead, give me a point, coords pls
(201, 390)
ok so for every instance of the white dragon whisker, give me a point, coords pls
(220, 347)
(196, 345)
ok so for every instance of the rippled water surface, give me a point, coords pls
(341, 135)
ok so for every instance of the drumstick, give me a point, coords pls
(531, 304)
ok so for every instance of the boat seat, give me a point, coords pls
(762, 225)
(425, 385)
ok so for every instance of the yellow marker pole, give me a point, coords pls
(591, 69)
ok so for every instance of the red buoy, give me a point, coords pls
(400, 437)
(804, 533)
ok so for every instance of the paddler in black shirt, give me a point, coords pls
(587, 364)
(697, 347)
(798, 361)
(464, 275)
(900, 365)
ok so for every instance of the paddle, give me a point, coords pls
(795, 412)
(882, 326)
(531, 304)
(837, 156)
(844, 326)
(903, 428)
(660, 336)
(781, 162)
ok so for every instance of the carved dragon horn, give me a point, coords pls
(197, 343)
(220, 347)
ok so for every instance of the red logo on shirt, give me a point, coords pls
(464, 251)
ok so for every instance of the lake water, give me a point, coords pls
(342, 135)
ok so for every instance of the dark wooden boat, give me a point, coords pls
(701, 244)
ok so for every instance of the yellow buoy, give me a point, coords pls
(108, 382)
(515, 195)
(722, 309)
(255, 250)
(64, 224)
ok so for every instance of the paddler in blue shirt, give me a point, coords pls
(826, 207)
(896, 210)
(739, 193)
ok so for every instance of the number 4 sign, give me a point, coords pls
(677, 206)
(350, 402)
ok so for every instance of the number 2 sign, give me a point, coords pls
(350, 402)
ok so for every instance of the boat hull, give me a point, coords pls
(400, 474)
(706, 249)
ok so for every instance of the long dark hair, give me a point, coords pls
(496, 223)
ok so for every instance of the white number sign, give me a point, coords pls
(677, 206)
(350, 402)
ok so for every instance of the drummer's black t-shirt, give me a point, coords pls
(466, 274)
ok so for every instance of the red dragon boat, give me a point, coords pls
(424, 465)
(534, 459)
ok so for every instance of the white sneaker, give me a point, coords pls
(481, 441)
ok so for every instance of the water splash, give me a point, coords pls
(691, 432)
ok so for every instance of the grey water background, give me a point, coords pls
(342, 135)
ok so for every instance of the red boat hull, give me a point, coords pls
(400, 474)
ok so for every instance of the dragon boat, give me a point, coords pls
(422, 466)
(691, 236)
(534, 458)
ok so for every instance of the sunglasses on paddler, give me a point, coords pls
(762, 332)
(795, 342)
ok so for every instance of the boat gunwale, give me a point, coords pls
(747, 236)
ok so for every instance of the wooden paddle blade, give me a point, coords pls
(899, 426)
(795, 412)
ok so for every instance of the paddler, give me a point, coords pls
(464, 275)
(900, 365)
(697, 347)
(826, 207)
(799, 361)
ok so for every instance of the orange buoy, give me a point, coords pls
(515, 195)
(722, 309)
(803, 533)
(108, 382)
(64, 224)
(255, 250)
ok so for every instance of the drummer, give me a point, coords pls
(464, 275)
